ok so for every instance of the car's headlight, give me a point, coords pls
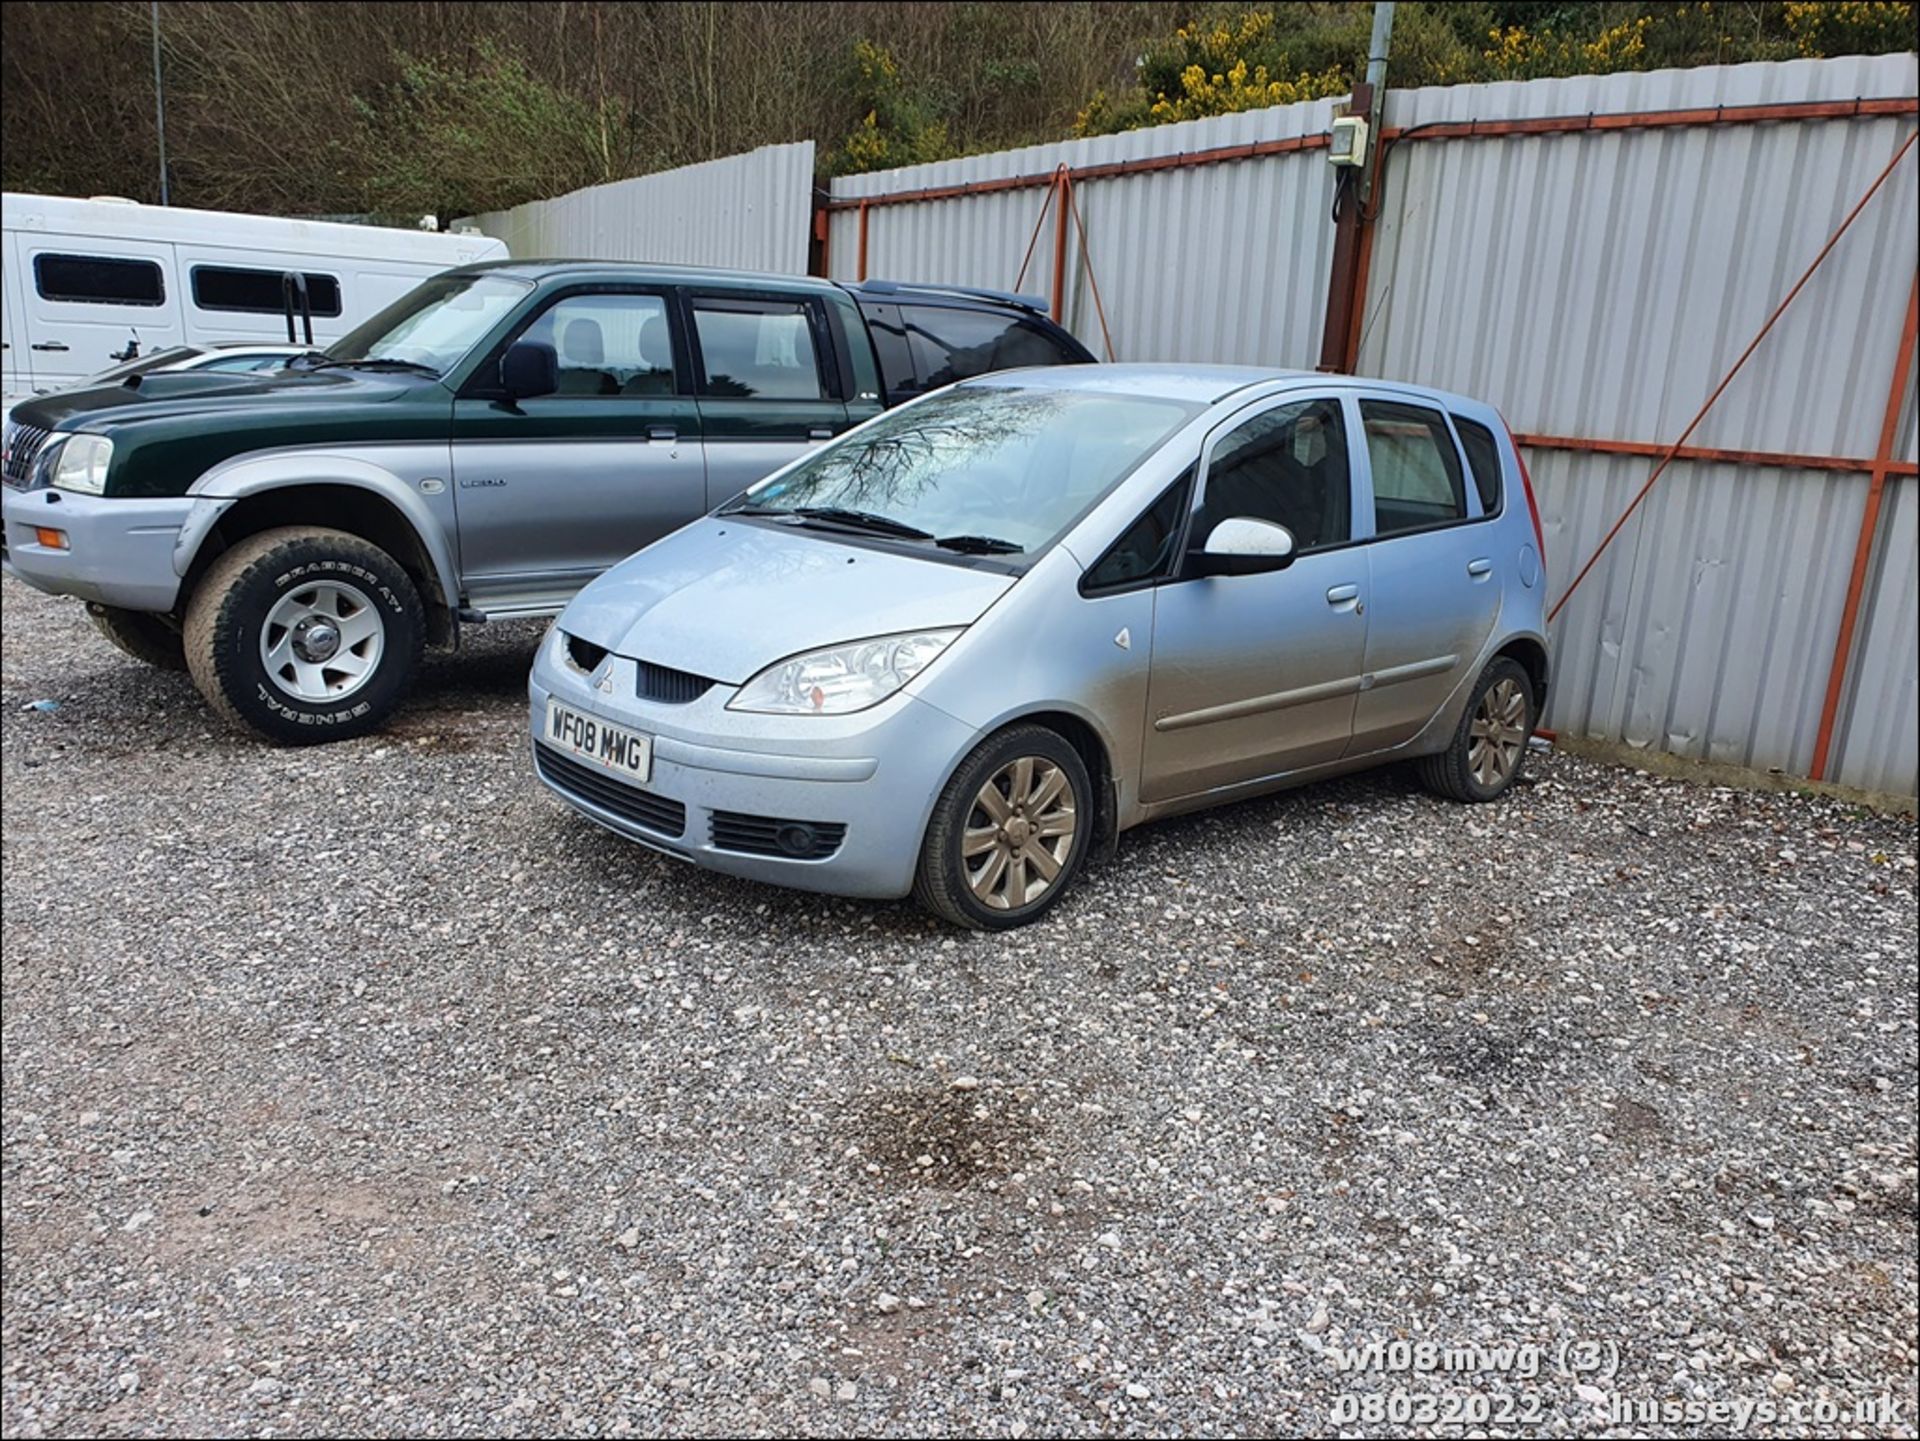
(842, 678)
(81, 464)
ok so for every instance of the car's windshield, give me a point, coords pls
(981, 463)
(140, 365)
(435, 325)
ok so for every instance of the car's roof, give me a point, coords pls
(1205, 384)
(616, 270)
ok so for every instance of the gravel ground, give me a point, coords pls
(363, 1089)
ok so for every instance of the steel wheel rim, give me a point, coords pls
(322, 642)
(1019, 833)
(1498, 733)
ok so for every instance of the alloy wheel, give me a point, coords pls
(1498, 735)
(1019, 833)
(322, 642)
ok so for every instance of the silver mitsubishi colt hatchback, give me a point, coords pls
(958, 650)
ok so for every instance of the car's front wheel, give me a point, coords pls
(305, 634)
(151, 639)
(1008, 833)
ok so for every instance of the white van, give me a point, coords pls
(86, 279)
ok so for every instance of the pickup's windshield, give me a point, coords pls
(434, 326)
(987, 468)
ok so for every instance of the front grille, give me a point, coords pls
(772, 836)
(23, 443)
(588, 783)
(668, 686)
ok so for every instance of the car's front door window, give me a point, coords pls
(615, 345)
(1287, 466)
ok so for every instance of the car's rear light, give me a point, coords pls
(1533, 506)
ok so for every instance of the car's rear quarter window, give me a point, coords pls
(1483, 459)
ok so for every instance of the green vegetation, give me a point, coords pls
(433, 106)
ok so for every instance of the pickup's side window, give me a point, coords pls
(950, 344)
(764, 348)
(614, 344)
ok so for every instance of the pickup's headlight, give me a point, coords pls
(81, 463)
(842, 678)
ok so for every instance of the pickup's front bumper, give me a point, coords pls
(120, 549)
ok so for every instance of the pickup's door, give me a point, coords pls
(1255, 675)
(1435, 583)
(553, 489)
(770, 384)
(87, 299)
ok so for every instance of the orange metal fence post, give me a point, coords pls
(861, 267)
(1869, 526)
(1061, 182)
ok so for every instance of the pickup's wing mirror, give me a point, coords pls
(1242, 545)
(530, 368)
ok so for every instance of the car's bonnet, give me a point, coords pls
(726, 598)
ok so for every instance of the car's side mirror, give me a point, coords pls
(1242, 545)
(529, 369)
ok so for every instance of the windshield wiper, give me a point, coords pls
(979, 545)
(377, 362)
(862, 520)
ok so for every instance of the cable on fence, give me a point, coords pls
(1667, 458)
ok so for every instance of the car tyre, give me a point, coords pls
(305, 635)
(150, 639)
(1009, 831)
(1489, 746)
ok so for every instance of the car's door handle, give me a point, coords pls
(662, 432)
(50, 345)
(1482, 566)
(1341, 594)
(820, 432)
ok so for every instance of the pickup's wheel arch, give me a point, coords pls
(339, 505)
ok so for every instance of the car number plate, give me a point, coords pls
(615, 747)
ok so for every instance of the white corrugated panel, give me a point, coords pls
(746, 212)
(1599, 285)
(1223, 262)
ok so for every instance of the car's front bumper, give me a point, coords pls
(119, 551)
(876, 773)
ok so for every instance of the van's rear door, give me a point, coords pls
(86, 299)
(18, 367)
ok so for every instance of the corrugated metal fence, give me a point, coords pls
(746, 212)
(1595, 281)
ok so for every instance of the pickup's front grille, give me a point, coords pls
(23, 445)
(772, 836)
(588, 783)
(668, 686)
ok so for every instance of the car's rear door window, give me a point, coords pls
(759, 348)
(1288, 466)
(1416, 469)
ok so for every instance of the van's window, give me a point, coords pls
(1145, 551)
(436, 323)
(259, 292)
(98, 280)
(1011, 464)
(949, 344)
(615, 344)
(758, 348)
(1416, 470)
(1483, 458)
(1288, 466)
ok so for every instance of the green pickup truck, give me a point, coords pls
(479, 450)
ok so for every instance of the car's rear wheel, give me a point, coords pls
(305, 634)
(148, 638)
(1008, 832)
(1489, 748)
